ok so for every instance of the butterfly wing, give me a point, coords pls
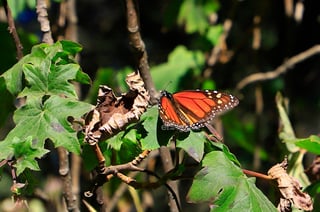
(191, 109)
(168, 112)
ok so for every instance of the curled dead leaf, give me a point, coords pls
(290, 189)
(112, 113)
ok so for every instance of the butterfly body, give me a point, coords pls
(192, 109)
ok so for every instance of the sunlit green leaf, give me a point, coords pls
(312, 144)
(43, 81)
(214, 33)
(195, 14)
(180, 61)
(48, 70)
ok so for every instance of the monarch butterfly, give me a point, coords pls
(192, 109)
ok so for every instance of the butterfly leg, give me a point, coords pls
(216, 136)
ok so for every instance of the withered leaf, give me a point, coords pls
(112, 113)
(290, 189)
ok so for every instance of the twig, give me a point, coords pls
(12, 29)
(122, 188)
(138, 47)
(256, 77)
(256, 174)
(44, 21)
(216, 51)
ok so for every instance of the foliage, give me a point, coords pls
(43, 80)
(43, 83)
(225, 187)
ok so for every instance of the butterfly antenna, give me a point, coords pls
(167, 85)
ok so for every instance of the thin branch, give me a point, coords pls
(12, 29)
(168, 166)
(257, 77)
(138, 47)
(216, 51)
(44, 21)
(123, 187)
(256, 174)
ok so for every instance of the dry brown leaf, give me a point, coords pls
(113, 113)
(290, 189)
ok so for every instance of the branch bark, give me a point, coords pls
(64, 172)
(138, 47)
(44, 21)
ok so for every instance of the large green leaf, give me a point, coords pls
(224, 186)
(48, 70)
(180, 61)
(48, 120)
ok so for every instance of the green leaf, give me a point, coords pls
(194, 14)
(43, 81)
(48, 70)
(223, 184)
(180, 61)
(149, 122)
(214, 33)
(26, 153)
(13, 76)
(311, 144)
(48, 120)
(193, 144)
(115, 142)
(71, 47)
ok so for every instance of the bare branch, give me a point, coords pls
(256, 77)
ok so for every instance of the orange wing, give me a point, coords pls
(191, 109)
(168, 113)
